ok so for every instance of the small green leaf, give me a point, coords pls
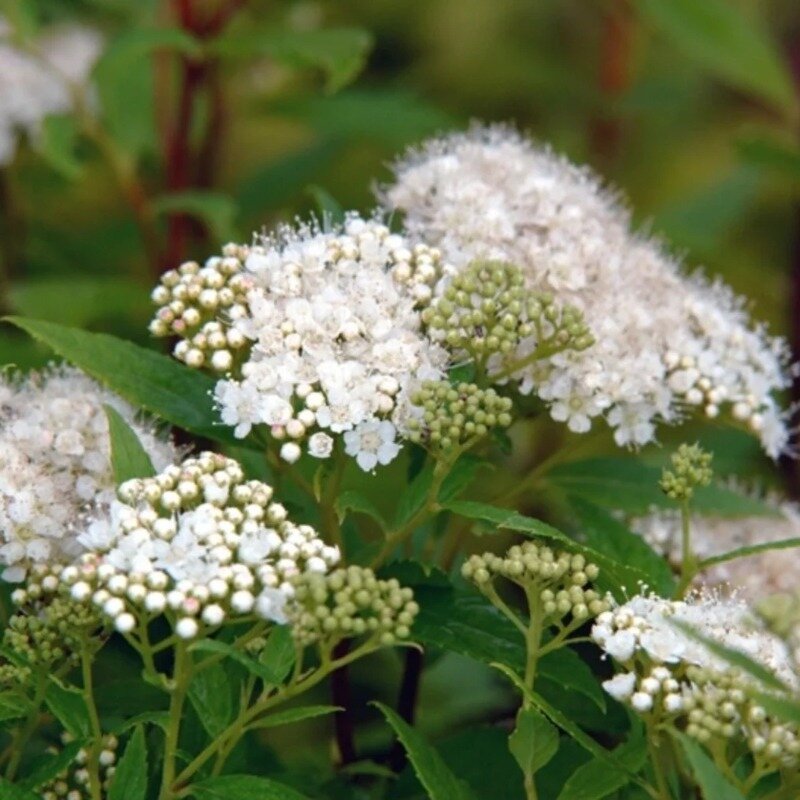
(69, 708)
(130, 776)
(351, 500)
(128, 458)
(11, 791)
(294, 715)
(250, 664)
(145, 378)
(433, 773)
(463, 473)
(243, 787)
(595, 779)
(735, 47)
(328, 207)
(210, 694)
(279, 653)
(160, 718)
(712, 783)
(56, 143)
(534, 741)
(13, 706)
(217, 211)
(339, 52)
(413, 497)
(51, 764)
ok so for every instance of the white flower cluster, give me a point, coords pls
(197, 541)
(318, 331)
(55, 467)
(36, 81)
(73, 783)
(669, 674)
(664, 342)
(754, 577)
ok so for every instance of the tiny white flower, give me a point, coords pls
(372, 443)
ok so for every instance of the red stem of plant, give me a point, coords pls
(407, 701)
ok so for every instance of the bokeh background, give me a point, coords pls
(689, 107)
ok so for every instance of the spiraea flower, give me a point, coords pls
(55, 467)
(197, 542)
(755, 576)
(37, 78)
(676, 678)
(664, 342)
(316, 332)
(73, 783)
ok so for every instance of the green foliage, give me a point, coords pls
(243, 787)
(128, 458)
(130, 778)
(534, 741)
(712, 783)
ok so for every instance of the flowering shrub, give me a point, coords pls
(381, 442)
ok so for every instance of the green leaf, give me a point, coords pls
(69, 708)
(785, 707)
(352, 500)
(294, 715)
(339, 52)
(712, 783)
(627, 484)
(13, 706)
(278, 656)
(128, 458)
(56, 143)
(433, 773)
(534, 741)
(327, 205)
(145, 378)
(413, 497)
(160, 718)
(781, 158)
(51, 764)
(750, 550)
(595, 779)
(732, 46)
(462, 474)
(16, 792)
(217, 211)
(130, 776)
(243, 787)
(734, 657)
(127, 91)
(250, 664)
(609, 536)
(210, 694)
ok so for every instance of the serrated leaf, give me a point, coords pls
(51, 764)
(147, 379)
(250, 664)
(413, 497)
(210, 694)
(711, 781)
(128, 458)
(734, 47)
(433, 773)
(351, 500)
(294, 715)
(278, 655)
(243, 787)
(130, 776)
(216, 210)
(69, 708)
(160, 718)
(595, 779)
(611, 537)
(534, 741)
(339, 52)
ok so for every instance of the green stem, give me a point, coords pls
(93, 751)
(533, 640)
(182, 675)
(689, 561)
(654, 749)
(330, 519)
(26, 730)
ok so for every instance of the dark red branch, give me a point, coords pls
(407, 701)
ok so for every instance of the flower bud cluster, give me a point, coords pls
(197, 542)
(691, 468)
(560, 580)
(486, 314)
(200, 304)
(418, 269)
(348, 603)
(47, 629)
(674, 676)
(73, 782)
(455, 416)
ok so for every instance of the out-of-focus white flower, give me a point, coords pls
(665, 342)
(37, 80)
(56, 480)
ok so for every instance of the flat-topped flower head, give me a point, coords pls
(37, 80)
(55, 464)
(197, 542)
(317, 333)
(663, 342)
